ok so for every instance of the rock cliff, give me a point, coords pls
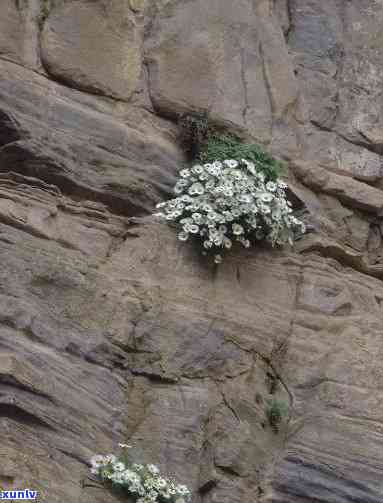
(111, 330)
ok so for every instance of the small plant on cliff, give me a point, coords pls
(275, 412)
(143, 483)
(219, 147)
(195, 131)
(221, 203)
(205, 142)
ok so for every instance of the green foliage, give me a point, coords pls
(44, 12)
(219, 147)
(194, 132)
(276, 411)
(205, 142)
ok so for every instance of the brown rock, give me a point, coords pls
(352, 192)
(113, 331)
(94, 48)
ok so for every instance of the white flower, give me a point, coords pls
(196, 188)
(98, 460)
(231, 163)
(250, 166)
(265, 209)
(218, 240)
(217, 260)
(271, 186)
(117, 478)
(178, 189)
(194, 229)
(153, 469)
(245, 198)
(237, 175)
(183, 236)
(212, 215)
(124, 446)
(185, 173)
(237, 229)
(260, 176)
(197, 217)
(182, 489)
(197, 169)
(228, 216)
(227, 202)
(266, 197)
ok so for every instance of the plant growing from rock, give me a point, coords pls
(141, 482)
(206, 142)
(221, 203)
(195, 131)
(219, 147)
(276, 411)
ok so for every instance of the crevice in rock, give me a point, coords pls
(12, 381)
(337, 252)
(244, 84)
(375, 149)
(32, 166)
(16, 413)
(9, 130)
(227, 470)
(155, 377)
(74, 456)
(268, 362)
(290, 19)
(266, 78)
(228, 405)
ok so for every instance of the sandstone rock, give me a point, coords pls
(137, 5)
(118, 153)
(94, 48)
(200, 39)
(358, 194)
(19, 32)
(113, 331)
(11, 32)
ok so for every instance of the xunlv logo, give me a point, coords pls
(25, 494)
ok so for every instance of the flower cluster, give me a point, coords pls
(143, 482)
(224, 202)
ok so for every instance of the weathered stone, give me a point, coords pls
(352, 192)
(113, 331)
(94, 48)
(199, 38)
(137, 5)
(119, 151)
(11, 35)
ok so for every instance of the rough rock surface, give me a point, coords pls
(113, 331)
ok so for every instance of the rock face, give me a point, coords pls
(113, 331)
